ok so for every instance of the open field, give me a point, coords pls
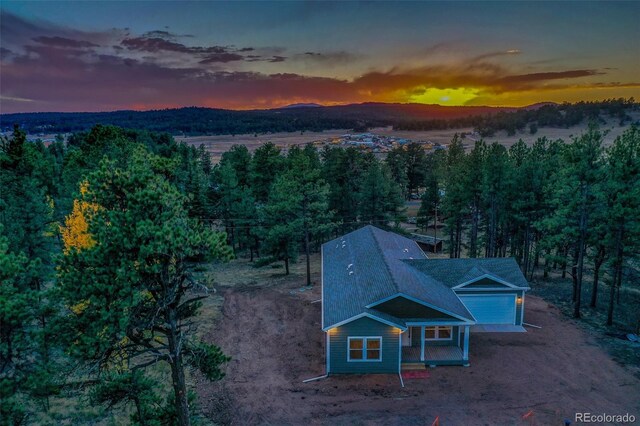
(216, 145)
(271, 328)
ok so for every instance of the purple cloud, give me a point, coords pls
(64, 42)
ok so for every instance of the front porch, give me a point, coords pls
(434, 355)
(416, 349)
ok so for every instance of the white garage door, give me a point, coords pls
(492, 308)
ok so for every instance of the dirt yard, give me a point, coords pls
(271, 328)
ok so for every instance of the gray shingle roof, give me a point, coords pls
(453, 272)
(370, 264)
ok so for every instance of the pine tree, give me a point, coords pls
(266, 164)
(283, 222)
(473, 192)
(415, 160)
(19, 355)
(494, 192)
(397, 162)
(575, 200)
(297, 210)
(342, 169)
(622, 186)
(131, 297)
(430, 200)
(454, 204)
(239, 158)
(26, 207)
(380, 198)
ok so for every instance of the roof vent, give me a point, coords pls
(350, 265)
(350, 272)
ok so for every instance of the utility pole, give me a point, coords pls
(435, 231)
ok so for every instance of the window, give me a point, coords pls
(364, 349)
(438, 333)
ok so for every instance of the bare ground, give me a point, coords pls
(272, 331)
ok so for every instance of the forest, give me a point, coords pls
(194, 121)
(101, 236)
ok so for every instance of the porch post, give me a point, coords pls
(422, 343)
(465, 349)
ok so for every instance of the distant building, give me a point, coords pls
(428, 243)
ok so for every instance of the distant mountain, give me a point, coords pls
(314, 117)
(197, 120)
(539, 105)
(302, 105)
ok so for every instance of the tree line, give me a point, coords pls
(274, 204)
(563, 115)
(359, 117)
(554, 206)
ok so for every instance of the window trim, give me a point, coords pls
(437, 337)
(364, 339)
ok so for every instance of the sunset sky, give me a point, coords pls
(93, 56)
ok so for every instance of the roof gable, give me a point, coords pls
(403, 307)
(485, 281)
(382, 317)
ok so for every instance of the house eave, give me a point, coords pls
(364, 315)
(439, 322)
(492, 289)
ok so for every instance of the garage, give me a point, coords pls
(491, 308)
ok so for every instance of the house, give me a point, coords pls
(386, 306)
(428, 243)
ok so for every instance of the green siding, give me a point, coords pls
(519, 293)
(363, 327)
(401, 307)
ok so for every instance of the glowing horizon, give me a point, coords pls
(62, 56)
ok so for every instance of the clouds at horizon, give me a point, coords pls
(51, 67)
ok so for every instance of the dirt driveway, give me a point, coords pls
(274, 337)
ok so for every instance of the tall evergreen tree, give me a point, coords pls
(26, 224)
(623, 207)
(494, 190)
(427, 213)
(239, 159)
(342, 169)
(575, 200)
(397, 162)
(473, 192)
(298, 209)
(455, 205)
(131, 295)
(20, 357)
(266, 164)
(380, 198)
